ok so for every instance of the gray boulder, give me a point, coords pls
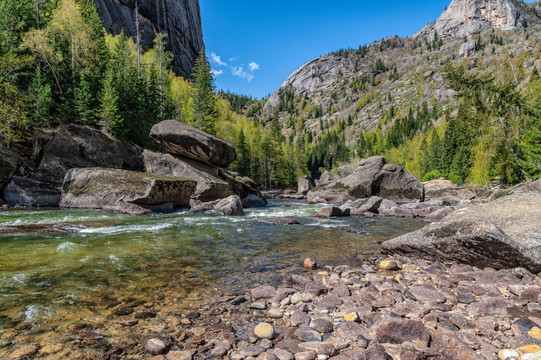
(329, 196)
(231, 206)
(210, 186)
(304, 185)
(327, 177)
(253, 201)
(180, 139)
(332, 211)
(78, 146)
(375, 177)
(9, 162)
(30, 192)
(107, 188)
(361, 206)
(505, 233)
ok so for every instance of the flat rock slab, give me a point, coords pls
(30, 192)
(180, 139)
(99, 188)
(505, 233)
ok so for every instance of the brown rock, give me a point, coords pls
(400, 331)
(328, 212)
(310, 264)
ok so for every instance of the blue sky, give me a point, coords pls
(255, 45)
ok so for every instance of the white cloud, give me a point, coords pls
(253, 66)
(217, 72)
(217, 59)
(240, 72)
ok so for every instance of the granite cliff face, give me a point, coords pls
(179, 19)
(465, 17)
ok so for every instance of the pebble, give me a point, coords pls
(310, 264)
(264, 331)
(275, 313)
(179, 355)
(389, 265)
(155, 346)
(23, 352)
(306, 355)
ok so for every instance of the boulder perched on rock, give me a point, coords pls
(304, 185)
(375, 177)
(504, 233)
(98, 188)
(242, 186)
(231, 206)
(30, 192)
(78, 146)
(180, 139)
(210, 186)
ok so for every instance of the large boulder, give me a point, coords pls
(231, 206)
(78, 146)
(362, 206)
(9, 162)
(326, 178)
(505, 233)
(95, 188)
(375, 177)
(29, 192)
(180, 139)
(210, 186)
(328, 196)
(304, 185)
(242, 186)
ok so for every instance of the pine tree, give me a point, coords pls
(40, 98)
(108, 116)
(16, 17)
(243, 155)
(84, 101)
(206, 112)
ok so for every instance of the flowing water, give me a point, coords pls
(59, 267)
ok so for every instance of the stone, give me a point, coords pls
(9, 162)
(375, 177)
(352, 331)
(310, 264)
(29, 192)
(230, 206)
(306, 355)
(329, 212)
(508, 354)
(267, 356)
(282, 354)
(210, 186)
(179, 355)
(398, 331)
(376, 351)
(264, 331)
(426, 293)
(263, 292)
(79, 146)
(24, 352)
(252, 350)
(308, 334)
(499, 234)
(155, 346)
(362, 206)
(258, 306)
(450, 346)
(180, 139)
(253, 201)
(317, 200)
(389, 265)
(283, 221)
(439, 214)
(179, 20)
(97, 188)
(275, 313)
(489, 306)
(323, 326)
(523, 326)
(300, 318)
(304, 185)
(328, 197)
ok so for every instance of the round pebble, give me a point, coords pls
(264, 331)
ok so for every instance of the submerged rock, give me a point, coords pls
(180, 139)
(253, 201)
(101, 188)
(505, 233)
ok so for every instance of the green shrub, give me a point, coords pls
(432, 175)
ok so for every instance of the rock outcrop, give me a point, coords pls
(465, 17)
(504, 233)
(210, 186)
(180, 20)
(180, 139)
(375, 177)
(304, 185)
(111, 189)
(29, 192)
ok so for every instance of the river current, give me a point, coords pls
(59, 267)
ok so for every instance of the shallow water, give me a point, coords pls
(65, 266)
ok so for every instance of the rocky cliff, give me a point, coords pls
(179, 19)
(465, 17)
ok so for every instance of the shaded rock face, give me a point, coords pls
(29, 192)
(505, 233)
(465, 17)
(304, 185)
(8, 165)
(209, 186)
(375, 177)
(78, 146)
(101, 188)
(180, 139)
(180, 20)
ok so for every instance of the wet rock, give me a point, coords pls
(329, 212)
(155, 346)
(283, 221)
(24, 352)
(180, 139)
(253, 201)
(398, 331)
(97, 188)
(263, 292)
(308, 334)
(310, 264)
(264, 331)
(231, 206)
